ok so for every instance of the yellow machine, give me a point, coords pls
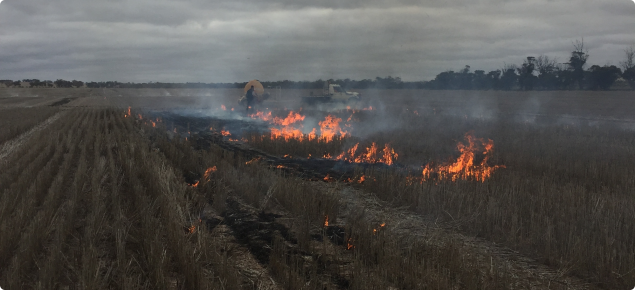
(259, 93)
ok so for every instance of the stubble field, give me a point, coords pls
(172, 189)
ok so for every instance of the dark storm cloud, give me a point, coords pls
(196, 40)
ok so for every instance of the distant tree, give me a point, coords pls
(577, 61)
(629, 58)
(60, 83)
(526, 77)
(493, 79)
(34, 83)
(445, 81)
(547, 72)
(508, 78)
(77, 84)
(628, 66)
(17, 84)
(464, 79)
(480, 81)
(602, 77)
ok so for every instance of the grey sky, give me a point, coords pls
(228, 41)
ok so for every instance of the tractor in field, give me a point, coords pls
(332, 93)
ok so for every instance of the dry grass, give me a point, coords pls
(19, 120)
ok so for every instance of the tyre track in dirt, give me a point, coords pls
(10, 146)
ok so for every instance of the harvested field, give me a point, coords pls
(172, 189)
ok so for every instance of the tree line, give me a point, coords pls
(535, 73)
(543, 73)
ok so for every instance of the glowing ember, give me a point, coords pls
(326, 220)
(253, 160)
(371, 155)
(281, 166)
(464, 167)
(380, 226)
(349, 244)
(191, 229)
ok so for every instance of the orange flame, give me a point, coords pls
(371, 155)
(223, 107)
(195, 184)
(261, 115)
(225, 133)
(290, 119)
(464, 167)
(326, 220)
(361, 179)
(288, 131)
(127, 114)
(253, 160)
(140, 117)
(380, 226)
(349, 244)
(330, 127)
(208, 172)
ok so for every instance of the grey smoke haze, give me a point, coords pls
(227, 41)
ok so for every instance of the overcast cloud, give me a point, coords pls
(233, 41)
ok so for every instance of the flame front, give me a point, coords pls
(464, 167)
(331, 127)
(371, 155)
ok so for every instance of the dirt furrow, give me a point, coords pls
(10, 146)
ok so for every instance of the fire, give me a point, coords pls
(280, 166)
(288, 131)
(225, 133)
(208, 172)
(326, 220)
(330, 127)
(464, 167)
(195, 184)
(127, 114)
(370, 108)
(349, 244)
(290, 119)
(140, 117)
(253, 160)
(361, 179)
(191, 229)
(223, 107)
(380, 226)
(261, 115)
(372, 155)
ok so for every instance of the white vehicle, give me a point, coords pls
(332, 93)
